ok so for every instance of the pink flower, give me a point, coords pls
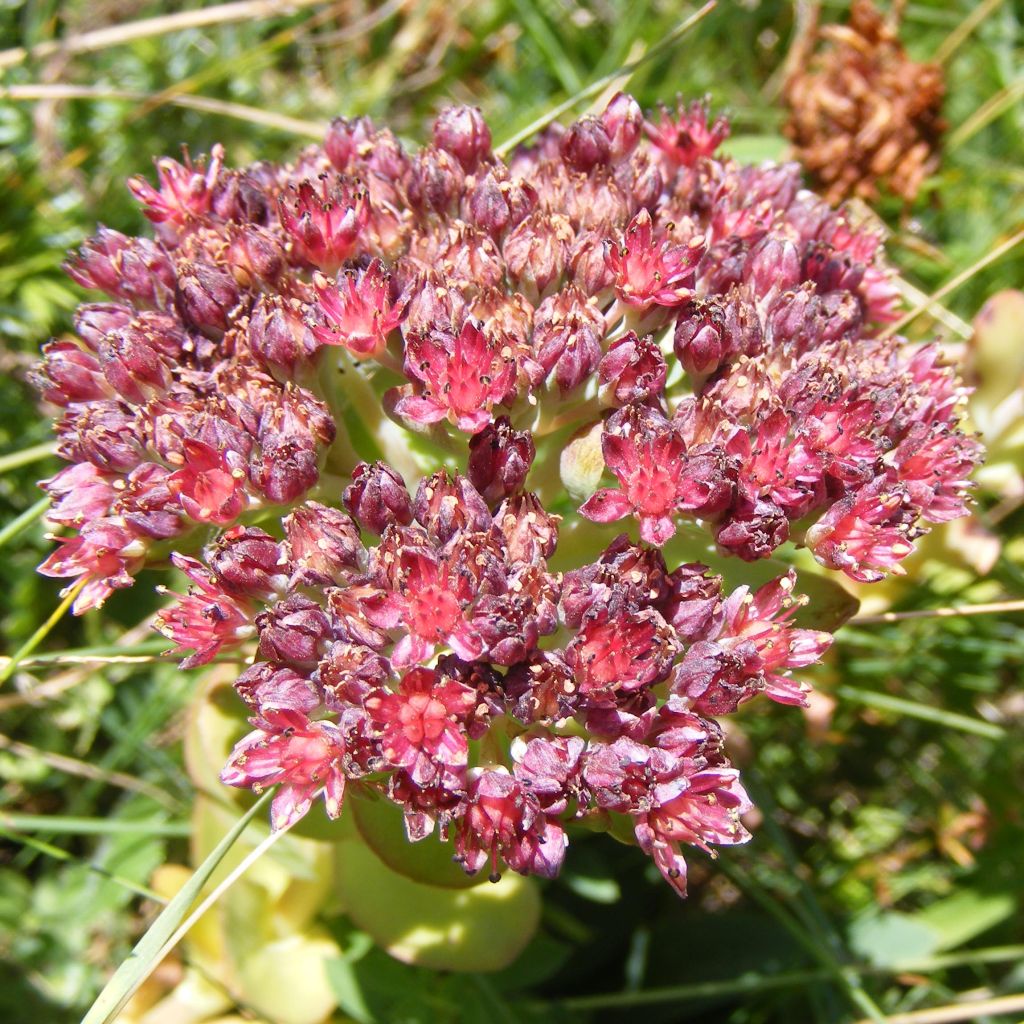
(325, 223)
(615, 654)
(423, 723)
(688, 137)
(359, 313)
(458, 378)
(658, 477)
(185, 191)
(701, 810)
(504, 822)
(752, 652)
(106, 552)
(648, 268)
(303, 757)
(211, 485)
(867, 533)
(207, 619)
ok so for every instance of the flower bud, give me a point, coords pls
(773, 266)
(345, 139)
(377, 497)
(498, 202)
(254, 256)
(132, 366)
(436, 181)
(633, 370)
(463, 132)
(240, 196)
(445, 506)
(623, 122)
(95, 320)
(277, 334)
(567, 338)
(323, 539)
(68, 375)
(206, 296)
(585, 145)
(537, 250)
(134, 269)
(699, 344)
(294, 631)
(499, 460)
(286, 468)
(249, 563)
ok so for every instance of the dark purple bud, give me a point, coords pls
(148, 504)
(135, 269)
(323, 540)
(567, 337)
(93, 321)
(445, 506)
(285, 469)
(753, 530)
(647, 182)
(255, 257)
(531, 534)
(345, 139)
(277, 334)
(132, 365)
(68, 375)
(250, 563)
(588, 268)
(497, 202)
(585, 145)
(239, 196)
(699, 344)
(436, 181)
(623, 122)
(694, 605)
(377, 497)
(830, 269)
(716, 680)
(626, 575)
(536, 251)
(542, 688)
(463, 132)
(773, 266)
(269, 687)
(105, 433)
(633, 370)
(348, 672)
(295, 631)
(206, 296)
(499, 460)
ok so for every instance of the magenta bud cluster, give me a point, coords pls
(373, 403)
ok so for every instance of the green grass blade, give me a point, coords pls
(145, 956)
(57, 853)
(25, 457)
(71, 826)
(18, 526)
(899, 706)
(11, 664)
(603, 82)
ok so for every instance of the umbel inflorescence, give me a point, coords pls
(356, 400)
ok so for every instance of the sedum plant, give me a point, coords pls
(447, 445)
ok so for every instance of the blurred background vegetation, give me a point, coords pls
(885, 877)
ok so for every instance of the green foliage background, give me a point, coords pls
(892, 830)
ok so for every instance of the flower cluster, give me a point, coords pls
(341, 396)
